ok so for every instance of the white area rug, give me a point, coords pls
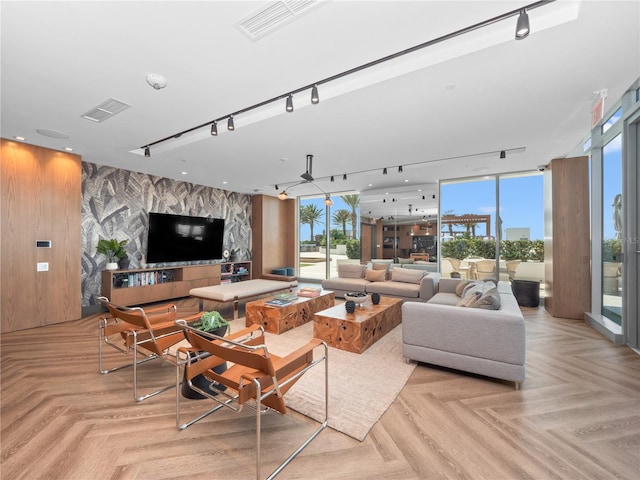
(361, 387)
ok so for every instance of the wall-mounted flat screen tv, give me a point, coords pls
(182, 238)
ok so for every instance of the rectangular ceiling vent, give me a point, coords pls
(105, 110)
(273, 16)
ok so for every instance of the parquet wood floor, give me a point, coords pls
(577, 416)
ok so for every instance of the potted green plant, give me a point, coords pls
(212, 322)
(113, 250)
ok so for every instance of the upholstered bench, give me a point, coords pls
(234, 292)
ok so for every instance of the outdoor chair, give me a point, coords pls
(457, 268)
(252, 377)
(512, 266)
(144, 334)
(485, 269)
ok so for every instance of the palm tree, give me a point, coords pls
(310, 214)
(341, 217)
(352, 201)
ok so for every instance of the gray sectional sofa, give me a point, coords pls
(407, 284)
(481, 340)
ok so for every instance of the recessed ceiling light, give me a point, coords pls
(19, 138)
(183, 173)
(406, 180)
(224, 182)
(68, 149)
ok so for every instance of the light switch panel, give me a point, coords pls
(42, 266)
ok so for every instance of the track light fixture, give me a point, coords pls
(522, 26)
(315, 98)
(384, 200)
(503, 154)
(147, 152)
(384, 171)
(230, 125)
(214, 128)
(344, 177)
(400, 169)
(332, 179)
(289, 107)
(277, 187)
(433, 196)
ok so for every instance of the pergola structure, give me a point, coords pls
(468, 221)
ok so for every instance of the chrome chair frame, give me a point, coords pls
(109, 325)
(246, 341)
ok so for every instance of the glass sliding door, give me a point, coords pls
(312, 224)
(612, 230)
(521, 226)
(467, 221)
(329, 234)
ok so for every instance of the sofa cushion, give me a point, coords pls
(406, 275)
(398, 289)
(375, 275)
(351, 271)
(402, 261)
(345, 284)
(473, 287)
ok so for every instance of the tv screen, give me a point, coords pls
(181, 238)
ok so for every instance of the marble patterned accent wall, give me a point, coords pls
(116, 203)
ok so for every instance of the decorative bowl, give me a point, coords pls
(358, 297)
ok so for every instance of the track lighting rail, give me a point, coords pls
(313, 87)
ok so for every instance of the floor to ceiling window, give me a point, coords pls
(613, 147)
(477, 242)
(329, 234)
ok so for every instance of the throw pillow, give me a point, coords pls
(473, 286)
(490, 300)
(403, 261)
(351, 271)
(375, 275)
(382, 266)
(461, 286)
(469, 300)
(407, 276)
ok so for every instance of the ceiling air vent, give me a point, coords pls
(105, 110)
(274, 15)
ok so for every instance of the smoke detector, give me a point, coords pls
(156, 81)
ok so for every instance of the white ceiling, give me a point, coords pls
(434, 111)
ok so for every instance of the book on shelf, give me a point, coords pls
(286, 296)
(309, 292)
(277, 302)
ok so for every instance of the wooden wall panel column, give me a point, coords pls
(567, 238)
(274, 234)
(41, 196)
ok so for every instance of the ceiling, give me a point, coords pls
(441, 112)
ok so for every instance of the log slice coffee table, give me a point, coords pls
(280, 319)
(355, 332)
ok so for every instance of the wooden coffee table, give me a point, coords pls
(355, 332)
(280, 319)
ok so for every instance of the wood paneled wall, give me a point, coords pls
(567, 238)
(274, 234)
(41, 195)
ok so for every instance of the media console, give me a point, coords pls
(146, 285)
